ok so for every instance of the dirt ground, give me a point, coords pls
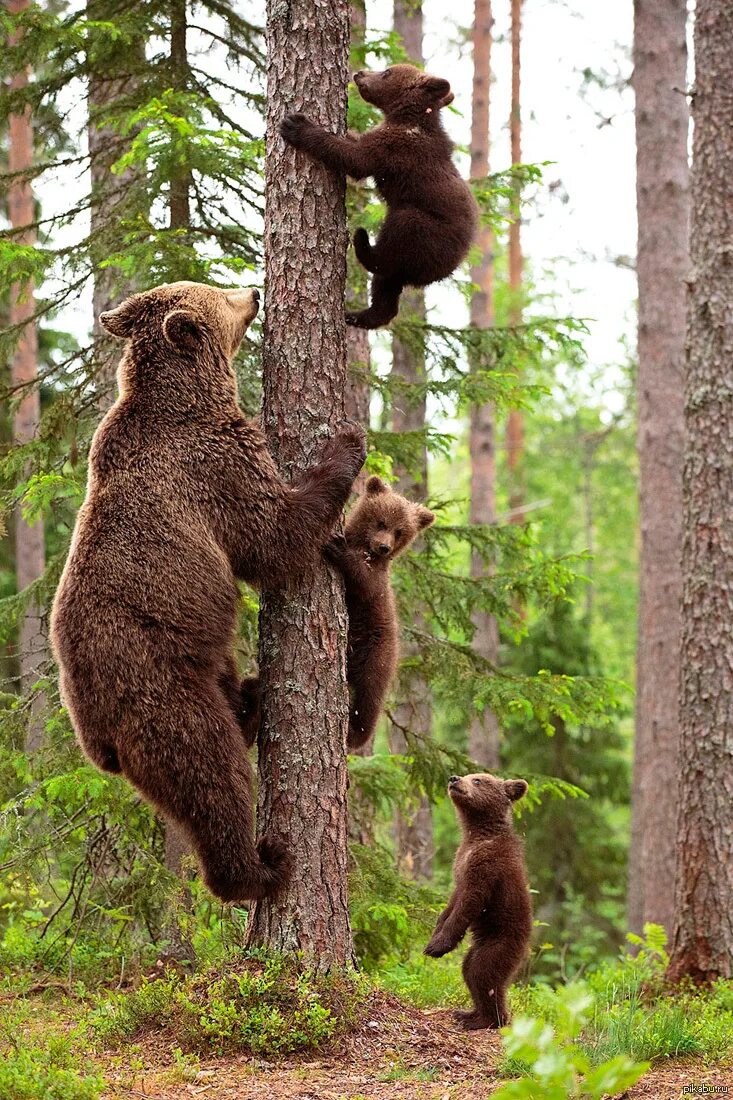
(398, 1054)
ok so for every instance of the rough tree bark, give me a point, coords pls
(515, 420)
(703, 937)
(483, 737)
(414, 711)
(662, 189)
(302, 761)
(30, 559)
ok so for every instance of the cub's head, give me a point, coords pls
(482, 799)
(403, 90)
(382, 523)
(185, 319)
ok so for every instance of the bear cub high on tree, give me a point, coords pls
(432, 214)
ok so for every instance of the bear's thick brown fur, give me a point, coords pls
(184, 498)
(491, 896)
(432, 215)
(379, 528)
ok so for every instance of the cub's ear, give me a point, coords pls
(425, 518)
(375, 486)
(121, 321)
(515, 789)
(438, 91)
(182, 329)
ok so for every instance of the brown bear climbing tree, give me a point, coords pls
(302, 760)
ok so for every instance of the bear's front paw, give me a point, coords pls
(335, 550)
(437, 947)
(293, 127)
(351, 438)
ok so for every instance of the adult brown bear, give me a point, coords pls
(184, 499)
(432, 215)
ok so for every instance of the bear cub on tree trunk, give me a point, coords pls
(491, 896)
(379, 528)
(432, 215)
(183, 500)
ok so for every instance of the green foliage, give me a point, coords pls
(555, 1064)
(264, 1004)
(42, 1063)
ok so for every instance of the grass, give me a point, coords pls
(39, 1059)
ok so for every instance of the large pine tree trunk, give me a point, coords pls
(703, 940)
(662, 186)
(515, 420)
(483, 738)
(30, 560)
(414, 710)
(302, 761)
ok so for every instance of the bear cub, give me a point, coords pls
(491, 896)
(432, 215)
(183, 500)
(379, 528)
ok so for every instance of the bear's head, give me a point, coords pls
(382, 523)
(182, 322)
(402, 91)
(483, 800)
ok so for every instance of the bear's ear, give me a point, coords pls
(438, 91)
(121, 321)
(425, 518)
(515, 789)
(375, 486)
(182, 329)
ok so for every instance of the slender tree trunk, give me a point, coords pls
(515, 420)
(180, 185)
(703, 938)
(302, 761)
(358, 352)
(30, 560)
(414, 711)
(111, 80)
(662, 184)
(483, 737)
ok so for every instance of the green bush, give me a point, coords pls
(42, 1065)
(267, 1004)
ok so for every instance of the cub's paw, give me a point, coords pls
(335, 550)
(357, 320)
(437, 947)
(293, 127)
(472, 1021)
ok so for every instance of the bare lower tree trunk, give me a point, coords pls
(662, 184)
(483, 737)
(30, 558)
(414, 710)
(302, 761)
(515, 420)
(703, 937)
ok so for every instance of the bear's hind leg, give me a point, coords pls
(485, 974)
(191, 762)
(363, 249)
(384, 306)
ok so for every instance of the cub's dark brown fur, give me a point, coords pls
(432, 215)
(183, 499)
(379, 528)
(491, 896)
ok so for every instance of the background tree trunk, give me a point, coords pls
(483, 737)
(30, 558)
(662, 188)
(302, 761)
(515, 420)
(703, 940)
(414, 710)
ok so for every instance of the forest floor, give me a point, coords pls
(399, 1053)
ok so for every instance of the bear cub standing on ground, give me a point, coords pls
(379, 528)
(491, 896)
(184, 499)
(432, 215)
